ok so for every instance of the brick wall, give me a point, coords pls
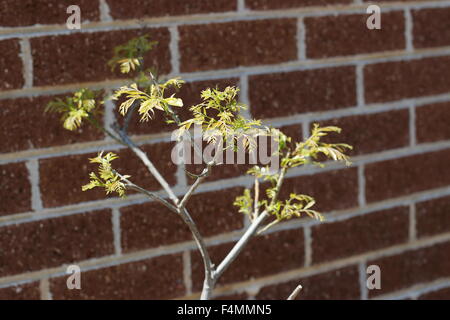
(297, 62)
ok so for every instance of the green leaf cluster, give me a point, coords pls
(149, 99)
(107, 178)
(245, 202)
(293, 154)
(309, 150)
(218, 115)
(129, 56)
(74, 109)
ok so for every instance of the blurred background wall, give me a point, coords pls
(297, 62)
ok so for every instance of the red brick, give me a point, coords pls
(15, 189)
(190, 93)
(344, 35)
(389, 81)
(284, 94)
(11, 65)
(83, 57)
(431, 27)
(265, 255)
(221, 45)
(340, 284)
(27, 126)
(333, 190)
(433, 217)
(360, 234)
(372, 132)
(406, 269)
(156, 278)
(403, 176)
(270, 4)
(432, 122)
(28, 291)
(53, 242)
(31, 12)
(441, 294)
(152, 225)
(126, 9)
(223, 171)
(61, 178)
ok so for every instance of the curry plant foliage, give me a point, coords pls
(74, 109)
(149, 98)
(219, 114)
(108, 179)
(129, 55)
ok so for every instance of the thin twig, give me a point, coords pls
(128, 117)
(256, 204)
(197, 182)
(151, 167)
(181, 209)
(186, 217)
(239, 246)
(208, 283)
(175, 117)
(295, 293)
(151, 195)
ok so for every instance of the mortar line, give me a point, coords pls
(308, 239)
(323, 268)
(174, 49)
(360, 85)
(301, 39)
(412, 222)
(231, 16)
(105, 15)
(44, 289)
(241, 6)
(244, 95)
(292, 66)
(187, 276)
(361, 186)
(412, 126)
(99, 263)
(88, 147)
(409, 30)
(116, 229)
(242, 181)
(109, 117)
(416, 290)
(27, 62)
(33, 175)
(362, 267)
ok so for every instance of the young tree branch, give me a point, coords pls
(208, 284)
(186, 217)
(239, 246)
(150, 166)
(197, 182)
(180, 209)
